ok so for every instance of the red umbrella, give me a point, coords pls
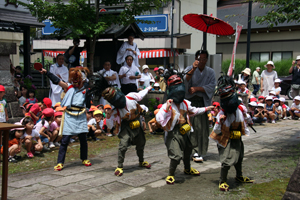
(208, 24)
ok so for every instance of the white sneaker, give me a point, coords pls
(109, 135)
(273, 121)
(72, 140)
(56, 144)
(51, 145)
(285, 118)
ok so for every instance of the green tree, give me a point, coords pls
(280, 11)
(81, 18)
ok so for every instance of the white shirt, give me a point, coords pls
(93, 122)
(110, 73)
(122, 53)
(129, 71)
(295, 106)
(147, 77)
(39, 126)
(34, 134)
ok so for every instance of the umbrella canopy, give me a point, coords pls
(208, 24)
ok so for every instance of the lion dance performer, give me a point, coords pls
(127, 115)
(173, 116)
(227, 132)
(74, 120)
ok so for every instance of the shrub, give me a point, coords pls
(281, 67)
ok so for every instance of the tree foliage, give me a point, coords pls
(280, 11)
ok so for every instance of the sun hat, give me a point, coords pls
(2, 88)
(298, 58)
(282, 99)
(97, 112)
(272, 92)
(156, 68)
(270, 63)
(156, 85)
(48, 112)
(277, 80)
(269, 98)
(297, 98)
(257, 67)
(19, 129)
(152, 81)
(276, 99)
(260, 105)
(142, 80)
(247, 71)
(107, 106)
(254, 104)
(161, 67)
(145, 67)
(241, 82)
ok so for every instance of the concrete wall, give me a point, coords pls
(260, 42)
(10, 37)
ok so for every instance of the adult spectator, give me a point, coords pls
(160, 80)
(246, 75)
(201, 83)
(256, 80)
(128, 74)
(129, 48)
(62, 72)
(295, 71)
(72, 55)
(146, 76)
(111, 76)
(267, 78)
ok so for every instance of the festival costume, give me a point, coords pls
(74, 120)
(129, 125)
(227, 133)
(123, 53)
(179, 133)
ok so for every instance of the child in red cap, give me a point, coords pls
(47, 103)
(3, 105)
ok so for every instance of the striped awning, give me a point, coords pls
(157, 53)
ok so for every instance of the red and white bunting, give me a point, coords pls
(157, 53)
(55, 53)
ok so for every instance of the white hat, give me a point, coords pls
(161, 67)
(152, 80)
(145, 108)
(272, 92)
(270, 63)
(253, 103)
(257, 67)
(297, 98)
(269, 98)
(240, 82)
(298, 58)
(260, 105)
(282, 99)
(142, 79)
(247, 71)
(277, 80)
(276, 99)
(145, 67)
(156, 85)
(240, 99)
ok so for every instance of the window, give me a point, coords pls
(260, 56)
(153, 12)
(278, 56)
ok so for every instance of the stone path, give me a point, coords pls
(99, 182)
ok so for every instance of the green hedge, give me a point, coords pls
(281, 67)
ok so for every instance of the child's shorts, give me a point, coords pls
(44, 139)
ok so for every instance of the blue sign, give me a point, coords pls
(159, 23)
(48, 29)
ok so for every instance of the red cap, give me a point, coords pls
(261, 97)
(253, 99)
(100, 105)
(159, 106)
(35, 108)
(107, 106)
(47, 102)
(58, 114)
(156, 68)
(48, 112)
(216, 104)
(2, 88)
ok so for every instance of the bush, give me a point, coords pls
(281, 67)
